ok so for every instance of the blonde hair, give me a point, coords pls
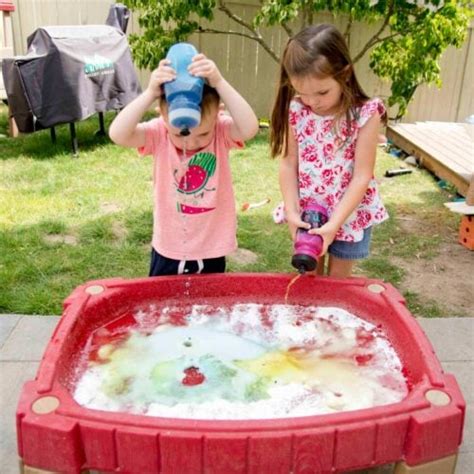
(321, 51)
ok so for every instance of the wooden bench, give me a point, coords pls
(444, 148)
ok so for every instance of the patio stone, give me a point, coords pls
(452, 338)
(12, 377)
(28, 339)
(464, 372)
(7, 323)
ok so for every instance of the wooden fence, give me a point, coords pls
(249, 67)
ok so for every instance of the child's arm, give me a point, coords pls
(364, 164)
(245, 124)
(125, 129)
(289, 187)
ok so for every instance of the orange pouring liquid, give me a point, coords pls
(292, 282)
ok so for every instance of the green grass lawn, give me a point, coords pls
(65, 220)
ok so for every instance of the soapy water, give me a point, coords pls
(247, 361)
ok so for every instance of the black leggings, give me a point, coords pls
(161, 265)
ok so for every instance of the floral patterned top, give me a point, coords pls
(326, 164)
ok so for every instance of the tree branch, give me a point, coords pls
(235, 33)
(310, 16)
(260, 41)
(223, 8)
(256, 36)
(347, 33)
(288, 30)
(376, 38)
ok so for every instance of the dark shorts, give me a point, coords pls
(161, 265)
(352, 250)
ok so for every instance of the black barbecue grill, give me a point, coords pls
(70, 73)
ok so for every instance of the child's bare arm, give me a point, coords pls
(245, 124)
(125, 129)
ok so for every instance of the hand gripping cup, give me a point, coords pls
(309, 246)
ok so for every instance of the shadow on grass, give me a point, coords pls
(38, 145)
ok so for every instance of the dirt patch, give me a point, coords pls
(110, 208)
(120, 231)
(243, 257)
(446, 279)
(60, 239)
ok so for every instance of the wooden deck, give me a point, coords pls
(444, 148)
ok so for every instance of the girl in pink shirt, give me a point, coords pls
(326, 129)
(194, 217)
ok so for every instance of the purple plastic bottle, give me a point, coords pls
(309, 246)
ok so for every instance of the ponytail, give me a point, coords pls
(280, 114)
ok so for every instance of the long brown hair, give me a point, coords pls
(321, 51)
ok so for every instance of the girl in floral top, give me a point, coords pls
(325, 128)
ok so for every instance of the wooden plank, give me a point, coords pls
(463, 172)
(430, 162)
(460, 162)
(458, 135)
(447, 151)
(431, 143)
(470, 193)
(441, 145)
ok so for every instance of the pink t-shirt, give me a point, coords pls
(194, 213)
(326, 164)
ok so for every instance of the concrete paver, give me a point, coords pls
(452, 338)
(12, 377)
(29, 338)
(7, 324)
(463, 371)
(465, 463)
(468, 433)
(23, 340)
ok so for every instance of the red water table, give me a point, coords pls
(420, 434)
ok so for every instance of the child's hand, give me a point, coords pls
(202, 66)
(295, 222)
(328, 233)
(163, 73)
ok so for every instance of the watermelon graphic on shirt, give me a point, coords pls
(201, 168)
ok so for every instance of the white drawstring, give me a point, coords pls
(181, 265)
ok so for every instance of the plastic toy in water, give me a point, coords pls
(308, 246)
(184, 94)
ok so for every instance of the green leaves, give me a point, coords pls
(409, 37)
(165, 22)
(274, 12)
(410, 55)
